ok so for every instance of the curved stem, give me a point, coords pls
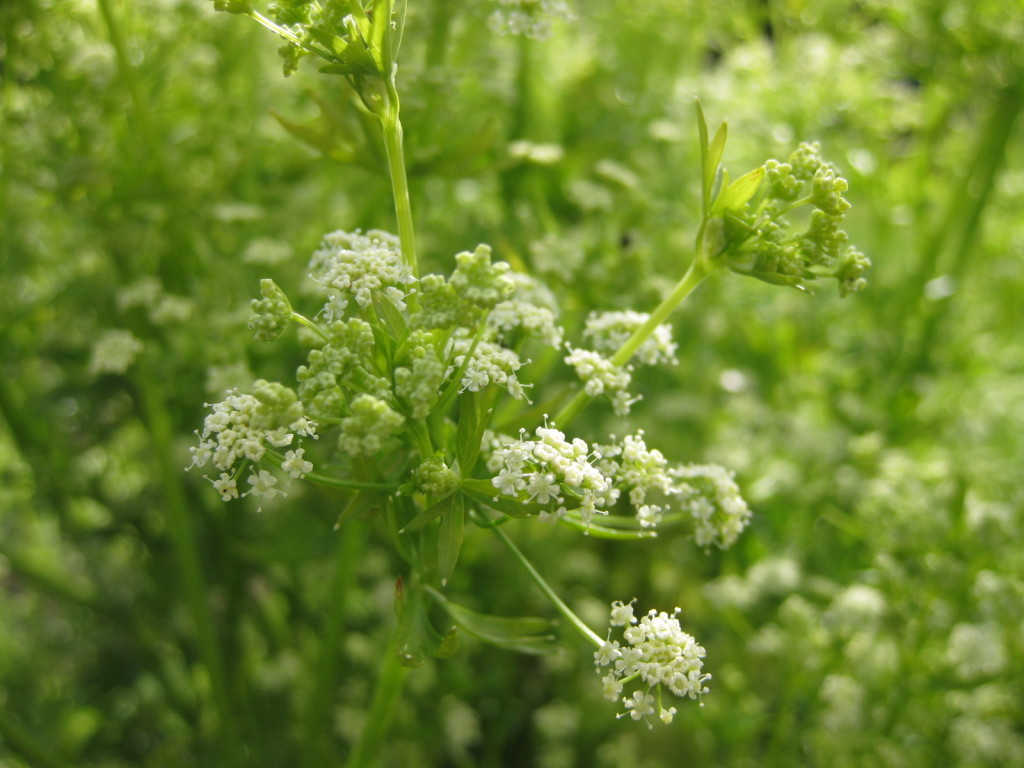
(184, 540)
(698, 270)
(393, 138)
(389, 686)
(560, 606)
(305, 321)
(318, 707)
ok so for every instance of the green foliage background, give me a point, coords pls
(871, 615)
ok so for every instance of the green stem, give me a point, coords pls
(316, 725)
(183, 535)
(560, 606)
(965, 209)
(139, 111)
(20, 742)
(390, 680)
(277, 458)
(393, 146)
(305, 321)
(698, 270)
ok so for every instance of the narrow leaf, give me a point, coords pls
(469, 433)
(526, 634)
(360, 502)
(482, 492)
(449, 538)
(427, 515)
(715, 150)
(738, 194)
(702, 129)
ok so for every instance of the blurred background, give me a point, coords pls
(155, 165)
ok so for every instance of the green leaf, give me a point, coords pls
(417, 638)
(449, 538)
(360, 502)
(526, 634)
(380, 27)
(469, 433)
(482, 492)
(394, 40)
(427, 515)
(736, 195)
(715, 150)
(702, 129)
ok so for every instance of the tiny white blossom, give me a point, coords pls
(295, 465)
(114, 352)
(641, 704)
(226, 486)
(622, 614)
(263, 485)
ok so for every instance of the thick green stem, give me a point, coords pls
(139, 112)
(955, 238)
(190, 570)
(699, 269)
(390, 680)
(393, 146)
(25, 744)
(560, 606)
(325, 686)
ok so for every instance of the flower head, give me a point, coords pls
(659, 654)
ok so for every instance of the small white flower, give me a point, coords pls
(226, 486)
(542, 487)
(263, 485)
(622, 614)
(612, 687)
(508, 482)
(641, 704)
(295, 465)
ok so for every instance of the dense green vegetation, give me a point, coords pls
(155, 166)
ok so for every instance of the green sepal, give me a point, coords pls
(417, 638)
(526, 634)
(450, 536)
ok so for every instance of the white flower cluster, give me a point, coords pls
(640, 471)
(659, 653)
(242, 426)
(589, 480)
(601, 377)
(371, 423)
(712, 497)
(353, 265)
(608, 331)
(532, 308)
(114, 352)
(162, 308)
(551, 470)
(489, 364)
(528, 18)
